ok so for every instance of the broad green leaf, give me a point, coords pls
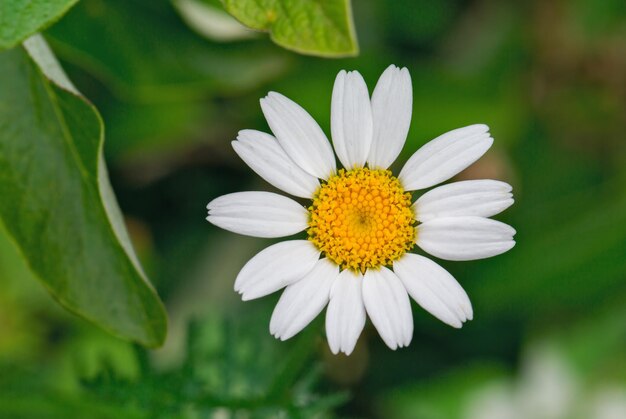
(315, 27)
(140, 63)
(21, 18)
(57, 203)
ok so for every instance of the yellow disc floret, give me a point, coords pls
(361, 219)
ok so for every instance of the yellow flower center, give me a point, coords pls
(361, 219)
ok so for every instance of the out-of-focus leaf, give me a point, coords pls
(142, 131)
(232, 368)
(315, 27)
(21, 18)
(405, 28)
(57, 203)
(561, 368)
(442, 397)
(443, 102)
(598, 18)
(596, 343)
(574, 265)
(49, 405)
(150, 54)
(208, 18)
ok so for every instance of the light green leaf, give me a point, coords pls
(315, 27)
(21, 18)
(57, 203)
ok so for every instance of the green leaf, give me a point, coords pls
(57, 203)
(315, 27)
(21, 18)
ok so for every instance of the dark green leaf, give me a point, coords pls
(57, 203)
(21, 18)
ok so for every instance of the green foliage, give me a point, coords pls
(315, 27)
(548, 79)
(57, 203)
(209, 19)
(540, 283)
(562, 371)
(231, 367)
(21, 18)
(140, 63)
(444, 397)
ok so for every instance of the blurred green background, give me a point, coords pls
(548, 339)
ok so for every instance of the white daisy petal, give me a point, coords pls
(299, 135)
(434, 289)
(345, 316)
(445, 156)
(464, 238)
(388, 306)
(276, 267)
(266, 157)
(351, 119)
(303, 300)
(258, 214)
(392, 105)
(482, 198)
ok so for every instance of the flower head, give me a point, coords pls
(361, 219)
(362, 225)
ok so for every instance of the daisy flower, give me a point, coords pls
(362, 225)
